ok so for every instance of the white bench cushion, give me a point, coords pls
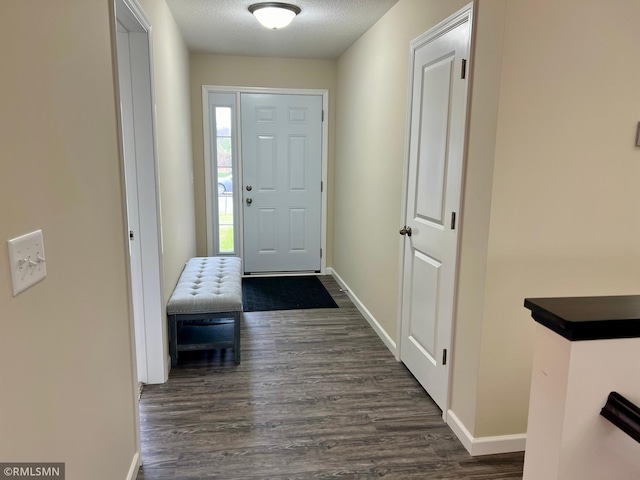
(208, 285)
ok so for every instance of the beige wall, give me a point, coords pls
(65, 347)
(175, 155)
(549, 206)
(369, 167)
(370, 136)
(476, 208)
(564, 216)
(223, 70)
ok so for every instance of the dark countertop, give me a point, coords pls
(588, 318)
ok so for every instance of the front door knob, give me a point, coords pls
(249, 201)
(405, 231)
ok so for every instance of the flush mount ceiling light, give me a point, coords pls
(274, 15)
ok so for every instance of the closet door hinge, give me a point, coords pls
(463, 73)
(453, 220)
(444, 357)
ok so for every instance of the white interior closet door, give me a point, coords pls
(436, 157)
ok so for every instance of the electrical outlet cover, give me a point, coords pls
(27, 261)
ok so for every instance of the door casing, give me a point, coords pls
(155, 358)
(131, 181)
(206, 132)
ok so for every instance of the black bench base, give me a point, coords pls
(189, 332)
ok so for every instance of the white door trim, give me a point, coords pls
(465, 14)
(206, 89)
(132, 17)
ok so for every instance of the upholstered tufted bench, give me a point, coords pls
(205, 308)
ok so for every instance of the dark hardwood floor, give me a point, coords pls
(317, 395)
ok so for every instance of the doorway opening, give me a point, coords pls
(259, 164)
(137, 130)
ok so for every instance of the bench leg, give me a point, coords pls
(237, 316)
(173, 339)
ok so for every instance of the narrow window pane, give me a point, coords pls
(223, 121)
(224, 176)
(223, 156)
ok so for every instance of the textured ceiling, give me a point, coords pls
(324, 28)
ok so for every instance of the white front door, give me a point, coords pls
(436, 157)
(281, 182)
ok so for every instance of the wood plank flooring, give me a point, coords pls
(317, 396)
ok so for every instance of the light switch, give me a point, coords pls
(27, 261)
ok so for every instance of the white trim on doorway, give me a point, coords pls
(131, 16)
(206, 133)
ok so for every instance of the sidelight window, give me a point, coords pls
(223, 175)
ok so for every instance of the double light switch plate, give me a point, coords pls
(27, 261)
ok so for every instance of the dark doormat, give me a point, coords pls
(262, 294)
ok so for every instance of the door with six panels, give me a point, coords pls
(281, 182)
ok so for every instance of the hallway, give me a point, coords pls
(317, 395)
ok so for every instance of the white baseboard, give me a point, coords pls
(475, 446)
(135, 466)
(384, 336)
(485, 445)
